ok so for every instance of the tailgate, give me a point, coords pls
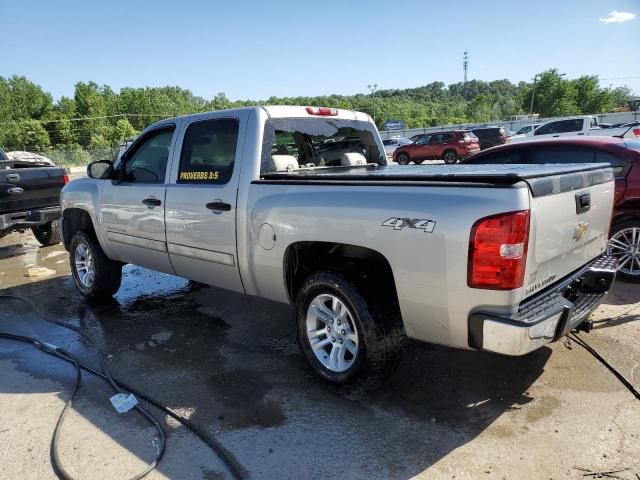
(24, 189)
(570, 218)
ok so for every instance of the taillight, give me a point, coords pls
(66, 178)
(498, 251)
(322, 111)
(636, 132)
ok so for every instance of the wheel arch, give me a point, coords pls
(360, 264)
(73, 220)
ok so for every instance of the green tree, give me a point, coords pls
(25, 135)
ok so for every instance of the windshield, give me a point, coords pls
(292, 143)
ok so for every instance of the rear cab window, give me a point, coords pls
(292, 143)
(208, 151)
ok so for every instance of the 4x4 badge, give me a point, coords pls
(417, 223)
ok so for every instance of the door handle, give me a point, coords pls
(15, 190)
(13, 177)
(152, 202)
(218, 206)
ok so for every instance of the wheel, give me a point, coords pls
(97, 277)
(403, 158)
(47, 234)
(342, 335)
(450, 156)
(624, 244)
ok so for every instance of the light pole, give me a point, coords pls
(373, 89)
(533, 92)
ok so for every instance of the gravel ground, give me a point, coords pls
(230, 364)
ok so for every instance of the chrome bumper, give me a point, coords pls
(29, 218)
(548, 316)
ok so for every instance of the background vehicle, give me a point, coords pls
(449, 146)
(567, 127)
(367, 254)
(391, 144)
(526, 129)
(621, 153)
(491, 136)
(30, 198)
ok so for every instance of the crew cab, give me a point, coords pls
(567, 127)
(496, 258)
(30, 197)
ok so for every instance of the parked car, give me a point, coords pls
(450, 146)
(368, 254)
(30, 197)
(621, 153)
(567, 127)
(491, 136)
(391, 144)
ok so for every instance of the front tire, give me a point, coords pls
(450, 157)
(624, 244)
(343, 336)
(95, 276)
(47, 234)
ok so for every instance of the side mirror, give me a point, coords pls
(101, 169)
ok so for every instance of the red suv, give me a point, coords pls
(622, 154)
(450, 146)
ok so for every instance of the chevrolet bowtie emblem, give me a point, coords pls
(580, 230)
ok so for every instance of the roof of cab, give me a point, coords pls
(279, 111)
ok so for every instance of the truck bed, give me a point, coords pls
(575, 175)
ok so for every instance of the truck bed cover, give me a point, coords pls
(539, 177)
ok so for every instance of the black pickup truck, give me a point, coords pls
(30, 198)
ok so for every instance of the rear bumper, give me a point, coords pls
(29, 218)
(547, 317)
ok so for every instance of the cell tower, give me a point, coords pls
(465, 67)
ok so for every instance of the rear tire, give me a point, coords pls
(332, 315)
(47, 234)
(403, 158)
(95, 276)
(450, 157)
(624, 244)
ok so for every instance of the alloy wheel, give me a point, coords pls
(625, 246)
(332, 333)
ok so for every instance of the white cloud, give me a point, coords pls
(618, 17)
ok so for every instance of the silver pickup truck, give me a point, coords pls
(298, 205)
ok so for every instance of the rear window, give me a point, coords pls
(292, 143)
(504, 157)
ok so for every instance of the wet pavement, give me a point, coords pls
(230, 363)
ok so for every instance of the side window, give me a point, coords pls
(547, 129)
(567, 126)
(423, 140)
(147, 161)
(593, 123)
(209, 151)
(437, 138)
(620, 166)
(561, 155)
(448, 136)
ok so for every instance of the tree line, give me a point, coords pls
(97, 119)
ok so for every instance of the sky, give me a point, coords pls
(257, 49)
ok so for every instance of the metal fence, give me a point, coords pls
(513, 125)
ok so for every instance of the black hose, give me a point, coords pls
(630, 386)
(225, 456)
